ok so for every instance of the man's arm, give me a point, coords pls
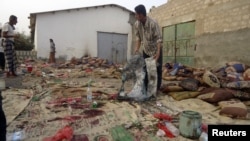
(137, 38)
(137, 46)
(5, 35)
(158, 36)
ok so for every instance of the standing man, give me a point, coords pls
(2, 58)
(52, 51)
(9, 44)
(148, 35)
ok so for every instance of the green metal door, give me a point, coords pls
(179, 43)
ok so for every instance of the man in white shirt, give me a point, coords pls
(9, 45)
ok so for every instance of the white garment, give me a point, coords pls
(9, 29)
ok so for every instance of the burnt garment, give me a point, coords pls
(135, 66)
(3, 123)
(136, 69)
(139, 91)
(10, 56)
(159, 71)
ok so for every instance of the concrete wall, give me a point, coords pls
(75, 31)
(23, 55)
(222, 27)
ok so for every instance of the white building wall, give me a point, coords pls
(75, 31)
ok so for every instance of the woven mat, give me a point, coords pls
(38, 126)
(15, 101)
(210, 113)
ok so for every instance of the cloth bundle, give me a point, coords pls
(134, 70)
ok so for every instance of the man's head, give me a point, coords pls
(13, 20)
(140, 13)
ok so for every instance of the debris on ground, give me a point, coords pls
(46, 102)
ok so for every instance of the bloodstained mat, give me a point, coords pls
(15, 101)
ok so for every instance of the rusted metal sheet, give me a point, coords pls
(179, 43)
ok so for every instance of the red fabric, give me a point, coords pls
(66, 133)
(162, 116)
(204, 127)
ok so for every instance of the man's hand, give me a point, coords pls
(137, 47)
(136, 50)
(156, 57)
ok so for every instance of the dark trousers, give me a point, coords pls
(159, 71)
(2, 121)
(2, 61)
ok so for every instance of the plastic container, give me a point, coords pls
(190, 124)
(89, 94)
(94, 104)
(29, 68)
(160, 133)
(203, 137)
(16, 136)
(175, 131)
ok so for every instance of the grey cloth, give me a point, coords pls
(134, 69)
